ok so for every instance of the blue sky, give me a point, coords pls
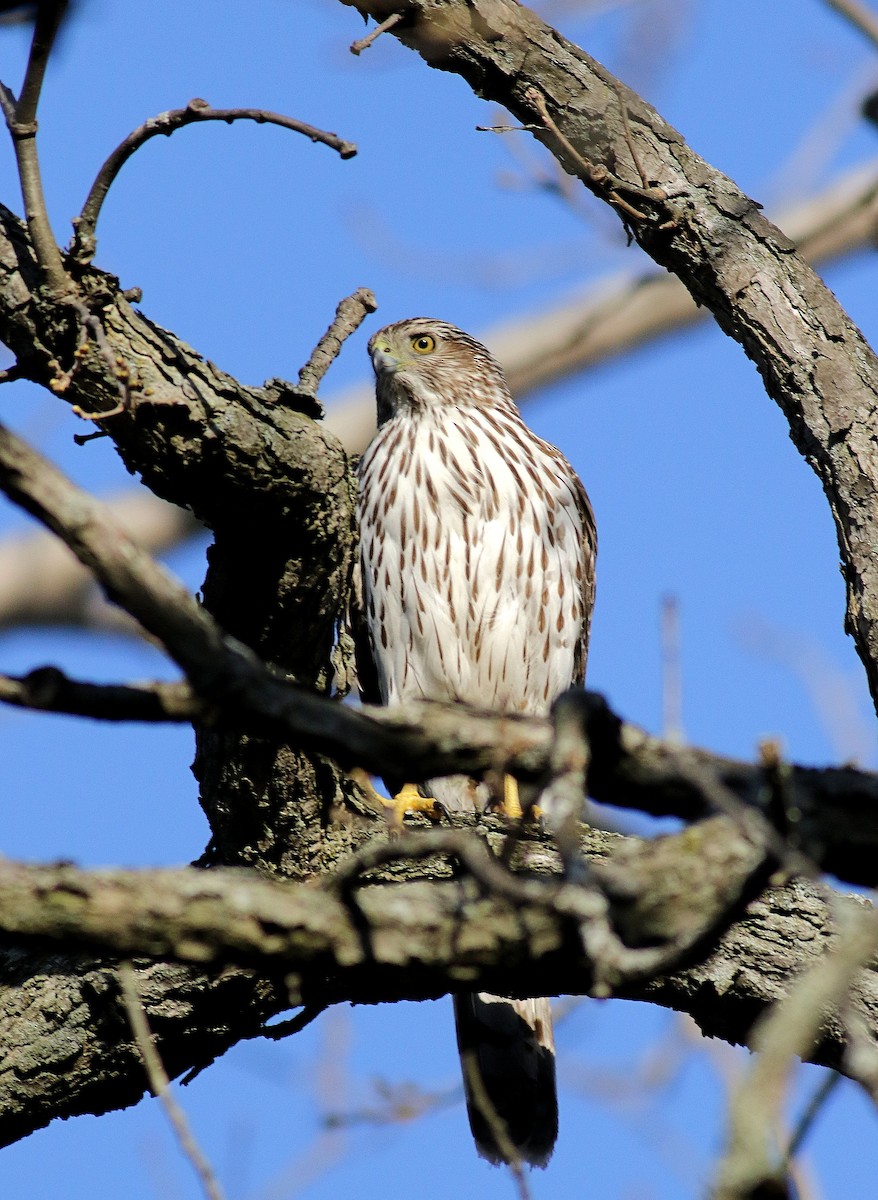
(243, 239)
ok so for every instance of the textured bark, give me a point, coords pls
(273, 485)
(697, 223)
(276, 489)
(70, 1049)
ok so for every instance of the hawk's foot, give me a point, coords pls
(409, 799)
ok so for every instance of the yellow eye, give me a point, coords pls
(423, 344)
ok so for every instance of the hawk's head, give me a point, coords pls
(422, 363)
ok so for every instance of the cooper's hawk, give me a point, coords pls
(477, 561)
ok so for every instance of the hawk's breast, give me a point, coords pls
(471, 553)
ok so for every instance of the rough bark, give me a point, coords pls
(277, 491)
(70, 1049)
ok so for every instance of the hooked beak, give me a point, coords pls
(383, 361)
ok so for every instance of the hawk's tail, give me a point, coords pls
(507, 1051)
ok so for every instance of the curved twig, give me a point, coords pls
(166, 123)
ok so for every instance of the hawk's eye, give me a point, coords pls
(423, 344)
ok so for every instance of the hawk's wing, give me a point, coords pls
(589, 554)
(358, 623)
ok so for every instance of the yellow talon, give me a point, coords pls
(408, 799)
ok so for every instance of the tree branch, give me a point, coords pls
(42, 583)
(49, 690)
(21, 119)
(860, 16)
(166, 123)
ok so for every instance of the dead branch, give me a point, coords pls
(84, 242)
(21, 120)
(348, 317)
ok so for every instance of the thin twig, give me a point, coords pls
(166, 123)
(295, 1024)
(364, 42)
(827, 1085)
(596, 174)
(22, 124)
(564, 798)
(614, 965)
(672, 675)
(117, 369)
(349, 315)
(11, 373)
(160, 1084)
(626, 126)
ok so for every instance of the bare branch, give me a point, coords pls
(41, 583)
(363, 43)
(160, 1085)
(49, 690)
(166, 123)
(22, 124)
(349, 315)
(424, 936)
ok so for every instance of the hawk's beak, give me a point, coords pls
(384, 362)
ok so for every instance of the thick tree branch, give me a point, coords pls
(813, 359)
(420, 939)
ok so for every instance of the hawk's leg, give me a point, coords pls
(511, 805)
(511, 801)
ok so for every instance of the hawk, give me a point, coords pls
(477, 550)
